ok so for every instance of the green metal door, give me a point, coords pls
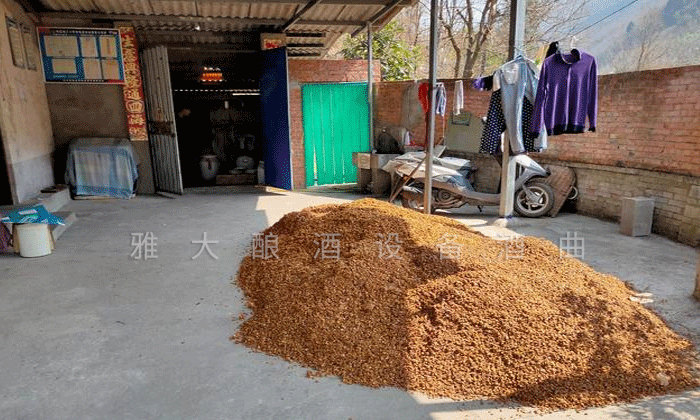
(336, 124)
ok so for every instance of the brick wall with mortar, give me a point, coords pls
(389, 101)
(647, 144)
(316, 71)
(676, 197)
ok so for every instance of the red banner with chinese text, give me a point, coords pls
(133, 88)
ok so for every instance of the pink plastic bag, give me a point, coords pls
(5, 239)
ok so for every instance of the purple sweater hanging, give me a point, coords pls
(567, 93)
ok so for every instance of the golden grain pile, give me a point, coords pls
(540, 330)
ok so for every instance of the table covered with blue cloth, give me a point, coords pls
(102, 167)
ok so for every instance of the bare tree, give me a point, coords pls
(411, 20)
(647, 34)
(476, 31)
(553, 20)
(466, 26)
(641, 48)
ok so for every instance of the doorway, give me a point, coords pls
(221, 99)
(336, 124)
(5, 187)
(222, 125)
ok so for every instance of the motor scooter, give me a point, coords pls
(452, 187)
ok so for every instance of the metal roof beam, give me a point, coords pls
(305, 45)
(240, 36)
(229, 36)
(305, 35)
(378, 15)
(303, 54)
(32, 7)
(294, 19)
(336, 2)
(208, 48)
(195, 19)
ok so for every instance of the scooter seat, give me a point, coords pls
(457, 164)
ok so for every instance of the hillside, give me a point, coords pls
(647, 35)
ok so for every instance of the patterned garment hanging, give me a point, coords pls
(496, 125)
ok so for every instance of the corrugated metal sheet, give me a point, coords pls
(222, 9)
(336, 124)
(276, 12)
(270, 10)
(174, 8)
(160, 112)
(214, 8)
(138, 7)
(71, 5)
(341, 12)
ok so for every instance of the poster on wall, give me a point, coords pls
(272, 41)
(15, 35)
(31, 48)
(81, 55)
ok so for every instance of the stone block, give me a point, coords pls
(637, 216)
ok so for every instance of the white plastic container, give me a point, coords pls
(261, 173)
(209, 165)
(34, 239)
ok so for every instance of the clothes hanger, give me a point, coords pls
(574, 51)
(553, 49)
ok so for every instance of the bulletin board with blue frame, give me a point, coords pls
(81, 55)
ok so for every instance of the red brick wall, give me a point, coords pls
(389, 102)
(646, 120)
(316, 71)
(647, 144)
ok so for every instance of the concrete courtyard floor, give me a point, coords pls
(91, 333)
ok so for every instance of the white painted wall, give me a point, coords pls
(25, 123)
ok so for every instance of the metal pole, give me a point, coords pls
(434, 40)
(370, 86)
(515, 44)
(516, 40)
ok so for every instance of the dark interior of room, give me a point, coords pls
(5, 189)
(218, 117)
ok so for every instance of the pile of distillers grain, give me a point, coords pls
(539, 329)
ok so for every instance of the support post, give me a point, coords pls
(507, 180)
(516, 40)
(370, 86)
(434, 40)
(515, 44)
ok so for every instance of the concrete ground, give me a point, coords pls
(89, 332)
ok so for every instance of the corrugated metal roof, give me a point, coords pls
(228, 15)
(177, 8)
(71, 5)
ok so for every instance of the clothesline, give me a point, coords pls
(530, 107)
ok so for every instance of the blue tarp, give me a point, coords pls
(32, 214)
(102, 167)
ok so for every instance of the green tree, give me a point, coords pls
(397, 58)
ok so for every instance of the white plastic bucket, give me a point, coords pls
(34, 239)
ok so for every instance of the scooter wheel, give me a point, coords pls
(537, 204)
(412, 204)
